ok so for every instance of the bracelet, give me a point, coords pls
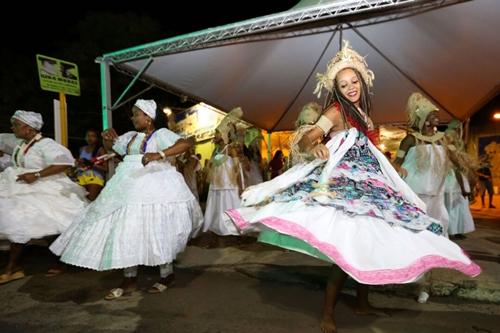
(324, 124)
(162, 154)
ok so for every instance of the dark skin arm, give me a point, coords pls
(103, 166)
(405, 145)
(48, 171)
(181, 146)
(108, 137)
(308, 140)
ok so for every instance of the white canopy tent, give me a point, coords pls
(448, 49)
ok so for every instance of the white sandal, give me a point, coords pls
(114, 294)
(157, 288)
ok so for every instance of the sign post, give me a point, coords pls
(62, 77)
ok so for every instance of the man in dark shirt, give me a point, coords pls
(485, 181)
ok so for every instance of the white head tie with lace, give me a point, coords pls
(30, 118)
(148, 106)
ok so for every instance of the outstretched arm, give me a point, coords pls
(309, 141)
(179, 147)
(108, 138)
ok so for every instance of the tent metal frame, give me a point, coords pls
(279, 25)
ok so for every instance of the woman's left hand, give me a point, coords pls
(150, 157)
(27, 177)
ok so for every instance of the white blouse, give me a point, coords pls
(38, 155)
(159, 140)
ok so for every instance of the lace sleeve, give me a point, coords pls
(54, 153)
(120, 145)
(166, 138)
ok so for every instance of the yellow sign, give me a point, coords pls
(58, 75)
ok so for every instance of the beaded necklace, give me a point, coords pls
(144, 143)
(38, 137)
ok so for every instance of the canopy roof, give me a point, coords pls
(448, 50)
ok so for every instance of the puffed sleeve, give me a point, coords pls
(120, 145)
(165, 138)
(8, 142)
(54, 153)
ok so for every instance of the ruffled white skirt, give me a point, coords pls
(218, 201)
(143, 216)
(371, 246)
(43, 208)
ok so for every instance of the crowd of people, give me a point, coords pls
(338, 199)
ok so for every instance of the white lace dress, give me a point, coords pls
(427, 179)
(222, 195)
(144, 215)
(45, 207)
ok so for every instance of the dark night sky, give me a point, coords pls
(61, 30)
(44, 25)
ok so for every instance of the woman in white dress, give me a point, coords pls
(423, 157)
(349, 206)
(250, 158)
(145, 214)
(225, 176)
(37, 199)
(457, 184)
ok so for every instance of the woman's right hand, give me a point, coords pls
(320, 151)
(109, 135)
(108, 138)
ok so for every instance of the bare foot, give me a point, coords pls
(368, 310)
(327, 325)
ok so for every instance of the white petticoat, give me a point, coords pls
(218, 201)
(43, 208)
(143, 216)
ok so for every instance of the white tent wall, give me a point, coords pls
(451, 53)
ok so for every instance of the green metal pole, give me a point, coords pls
(137, 76)
(105, 95)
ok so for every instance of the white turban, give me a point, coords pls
(148, 106)
(32, 119)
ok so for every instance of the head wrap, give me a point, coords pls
(32, 119)
(345, 58)
(418, 109)
(225, 127)
(148, 106)
(454, 125)
(251, 134)
(309, 115)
